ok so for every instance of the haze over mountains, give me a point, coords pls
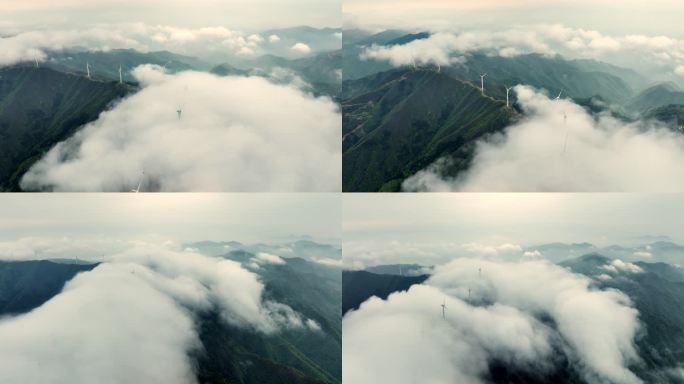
(228, 347)
(39, 108)
(389, 136)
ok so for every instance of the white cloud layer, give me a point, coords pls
(546, 152)
(363, 254)
(234, 134)
(444, 48)
(406, 340)
(34, 45)
(301, 48)
(135, 311)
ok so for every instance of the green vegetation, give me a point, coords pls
(40, 107)
(398, 122)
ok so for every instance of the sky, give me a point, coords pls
(608, 16)
(247, 218)
(252, 15)
(429, 224)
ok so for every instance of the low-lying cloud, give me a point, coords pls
(445, 48)
(363, 254)
(232, 134)
(132, 312)
(559, 146)
(493, 313)
(35, 45)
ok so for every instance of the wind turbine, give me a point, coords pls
(36, 59)
(444, 309)
(479, 272)
(136, 190)
(565, 122)
(559, 94)
(508, 89)
(439, 68)
(468, 294)
(120, 75)
(179, 111)
(413, 63)
(482, 82)
(88, 69)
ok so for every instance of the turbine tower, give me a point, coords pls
(88, 69)
(508, 89)
(559, 94)
(565, 122)
(468, 294)
(444, 309)
(439, 68)
(482, 82)
(136, 190)
(179, 111)
(36, 59)
(120, 75)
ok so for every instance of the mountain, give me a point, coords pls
(397, 269)
(323, 71)
(229, 354)
(226, 69)
(237, 356)
(306, 249)
(359, 286)
(657, 96)
(577, 78)
(657, 251)
(25, 285)
(400, 121)
(105, 64)
(658, 294)
(40, 107)
(318, 39)
(672, 115)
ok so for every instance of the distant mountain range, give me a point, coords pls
(393, 118)
(230, 354)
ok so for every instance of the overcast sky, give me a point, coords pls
(181, 217)
(656, 17)
(525, 219)
(251, 15)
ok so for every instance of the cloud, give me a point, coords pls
(273, 38)
(31, 45)
(223, 141)
(643, 254)
(46, 248)
(445, 48)
(618, 265)
(362, 254)
(301, 48)
(406, 340)
(532, 254)
(134, 311)
(329, 262)
(267, 258)
(545, 152)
